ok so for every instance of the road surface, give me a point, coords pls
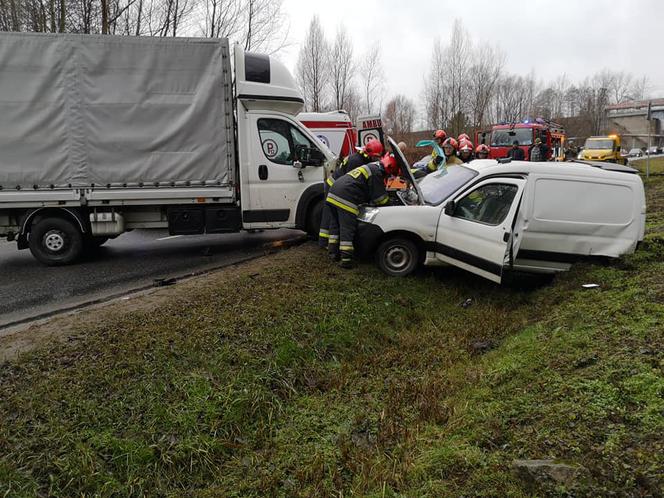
(132, 261)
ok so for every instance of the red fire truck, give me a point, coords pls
(501, 137)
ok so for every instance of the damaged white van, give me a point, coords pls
(491, 216)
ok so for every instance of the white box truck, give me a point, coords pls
(102, 134)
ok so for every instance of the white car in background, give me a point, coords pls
(490, 216)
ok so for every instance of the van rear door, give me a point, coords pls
(475, 230)
(565, 217)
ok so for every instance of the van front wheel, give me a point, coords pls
(398, 257)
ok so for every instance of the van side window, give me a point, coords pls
(487, 204)
(276, 140)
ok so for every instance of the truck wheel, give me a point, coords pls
(55, 241)
(398, 257)
(313, 219)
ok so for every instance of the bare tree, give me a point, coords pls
(372, 80)
(353, 104)
(457, 56)
(399, 115)
(266, 26)
(222, 18)
(341, 66)
(435, 95)
(640, 88)
(312, 73)
(486, 69)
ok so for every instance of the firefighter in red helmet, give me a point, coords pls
(439, 137)
(363, 185)
(466, 151)
(482, 151)
(450, 147)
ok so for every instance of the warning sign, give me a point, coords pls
(270, 148)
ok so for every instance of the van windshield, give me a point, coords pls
(440, 185)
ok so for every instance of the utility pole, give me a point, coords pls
(648, 117)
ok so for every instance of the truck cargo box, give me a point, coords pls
(105, 112)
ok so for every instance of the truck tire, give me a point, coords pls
(313, 218)
(398, 257)
(55, 241)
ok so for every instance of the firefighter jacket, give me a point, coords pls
(435, 161)
(349, 163)
(362, 185)
(453, 160)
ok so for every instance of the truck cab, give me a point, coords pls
(604, 148)
(281, 161)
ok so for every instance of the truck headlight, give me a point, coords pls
(368, 214)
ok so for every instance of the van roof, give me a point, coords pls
(491, 166)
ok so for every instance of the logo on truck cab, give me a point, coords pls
(270, 148)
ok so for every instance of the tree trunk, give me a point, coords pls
(63, 11)
(104, 17)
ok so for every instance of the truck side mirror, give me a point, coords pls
(449, 208)
(298, 164)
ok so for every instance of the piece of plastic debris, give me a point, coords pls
(161, 282)
(590, 286)
(466, 303)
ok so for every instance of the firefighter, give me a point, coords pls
(450, 147)
(482, 151)
(515, 152)
(363, 185)
(466, 151)
(370, 152)
(538, 151)
(439, 137)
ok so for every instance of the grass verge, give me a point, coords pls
(656, 165)
(296, 378)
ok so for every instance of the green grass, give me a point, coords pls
(302, 379)
(656, 165)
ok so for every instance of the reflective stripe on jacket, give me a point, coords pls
(360, 186)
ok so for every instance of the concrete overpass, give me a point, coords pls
(629, 120)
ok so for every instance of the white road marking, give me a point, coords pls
(170, 237)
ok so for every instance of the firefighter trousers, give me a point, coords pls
(342, 227)
(324, 232)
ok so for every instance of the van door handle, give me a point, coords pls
(506, 237)
(262, 172)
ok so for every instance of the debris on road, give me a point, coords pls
(162, 282)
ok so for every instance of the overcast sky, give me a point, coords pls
(550, 37)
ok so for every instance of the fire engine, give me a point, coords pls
(501, 137)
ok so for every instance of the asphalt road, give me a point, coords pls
(132, 261)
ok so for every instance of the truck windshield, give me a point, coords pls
(505, 138)
(599, 144)
(438, 186)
